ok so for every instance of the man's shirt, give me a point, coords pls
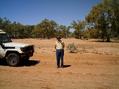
(59, 45)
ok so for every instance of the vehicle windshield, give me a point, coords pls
(4, 38)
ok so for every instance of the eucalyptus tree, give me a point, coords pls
(105, 16)
(45, 29)
(78, 26)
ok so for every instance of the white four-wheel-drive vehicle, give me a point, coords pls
(14, 53)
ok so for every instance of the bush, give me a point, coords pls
(72, 48)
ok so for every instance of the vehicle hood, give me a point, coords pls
(16, 45)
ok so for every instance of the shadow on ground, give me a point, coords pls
(31, 63)
(28, 63)
(2, 62)
(65, 66)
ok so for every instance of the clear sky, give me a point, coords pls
(32, 12)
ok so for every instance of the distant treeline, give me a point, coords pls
(102, 22)
(45, 29)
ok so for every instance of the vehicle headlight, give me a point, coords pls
(22, 49)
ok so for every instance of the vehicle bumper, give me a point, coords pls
(29, 54)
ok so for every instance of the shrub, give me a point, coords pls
(72, 48)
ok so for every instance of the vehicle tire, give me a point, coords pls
(13, 59)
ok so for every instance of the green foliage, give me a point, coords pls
(16, 30)
(63, 31)
(90, 33)
(72, 48)
(45, 29)
(105, 16)
(78, 26)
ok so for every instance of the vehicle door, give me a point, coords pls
(1, 51)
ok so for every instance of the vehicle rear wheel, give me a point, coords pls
(13, 59)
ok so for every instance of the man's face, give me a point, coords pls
(59, 39)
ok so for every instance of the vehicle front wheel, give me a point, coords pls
(13, 59)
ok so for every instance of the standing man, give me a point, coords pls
(59, 46)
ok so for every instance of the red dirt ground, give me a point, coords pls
(94, 66)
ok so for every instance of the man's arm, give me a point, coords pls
(55, 46)
(63, 44)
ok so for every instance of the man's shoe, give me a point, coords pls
(58, 66)
(62, 66)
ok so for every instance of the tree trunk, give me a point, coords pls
(108, 38)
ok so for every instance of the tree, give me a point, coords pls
(16, 30)
(105, 16)
(115, 16)
(78, 26)
(46, 29)
(63, 31)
